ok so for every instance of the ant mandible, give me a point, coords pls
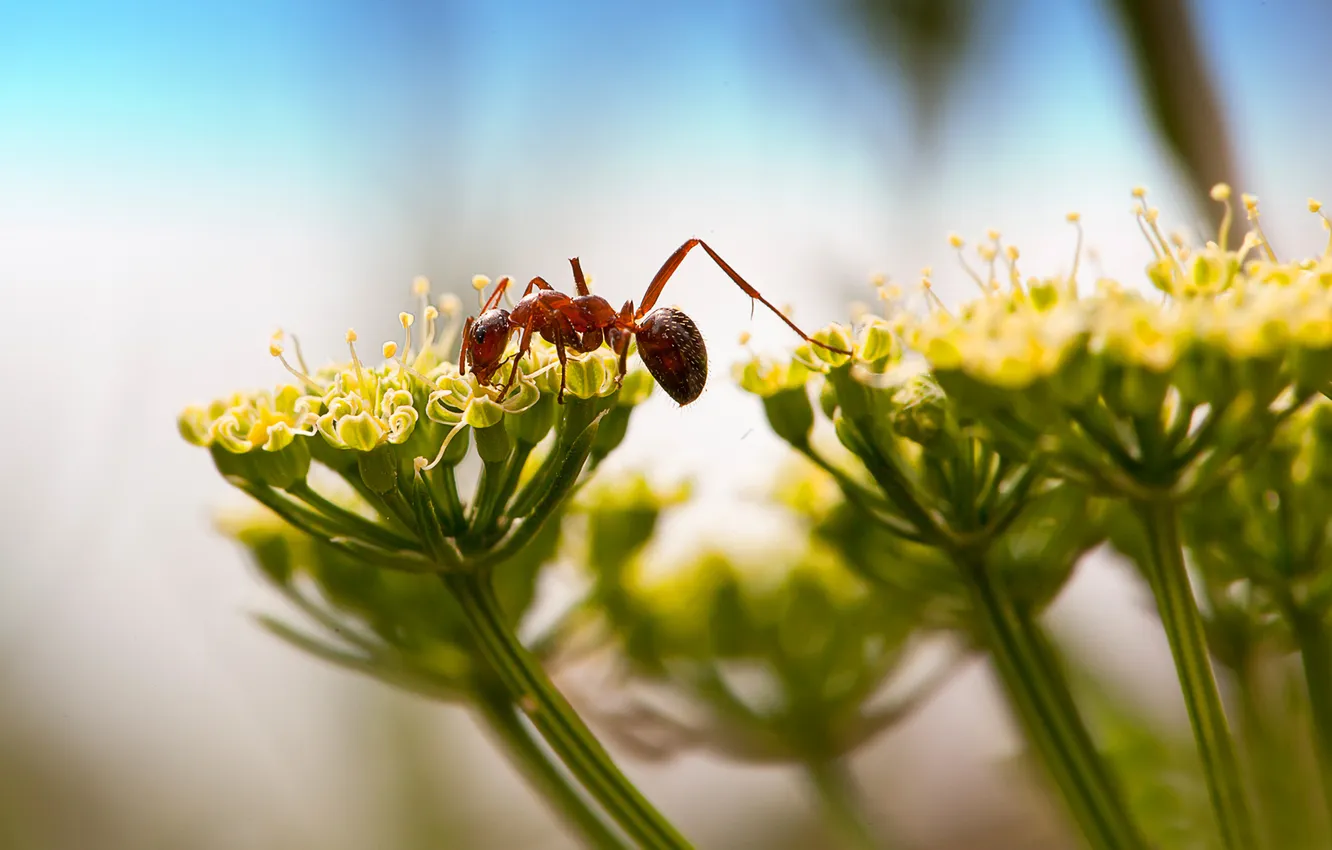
(669, 342)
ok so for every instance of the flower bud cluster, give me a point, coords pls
(415, 400)
(795, 614)
(1237, 344)
(405, 630)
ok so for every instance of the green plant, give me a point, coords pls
(958, 467)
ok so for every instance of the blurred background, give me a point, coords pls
(178, 179)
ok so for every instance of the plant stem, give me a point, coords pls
(1047, 714)
(839, 799)
(1188, 644)
(503, 721)
(1315, 644)
(555, 719)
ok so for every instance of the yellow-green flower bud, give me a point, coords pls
(359, 432)
(828, 400)
(534, 423)
(878, 344)
(790, 415)
(493, 443)
(378, 469)
(193, 424)
(285, 467)
(587, 376)
(482, 412)
(836, 336)
(764, 377)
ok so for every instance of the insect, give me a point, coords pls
(669, 343)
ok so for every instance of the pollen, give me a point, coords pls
(1073, 217)
(1314, 205)
(390, 349)
(992, 235)
(421, 285)
(275, 348)
(956, 241)
(744, 338)
(480, 282)
(351, 335)
(406, 319)
(1221, 192)
(1250, 202)
(1139, 192)
(430, 313)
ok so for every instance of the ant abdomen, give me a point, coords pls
(671, 347)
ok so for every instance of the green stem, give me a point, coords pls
(1188, 644)
(840, 802)
(348, 519)
(1045, 710)
(444, 492)
(504, 723)
(555, 719)
(1315, 644)
(499, 490)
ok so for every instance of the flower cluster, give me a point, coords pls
(1103, 379)
(815, 642)
(996, 443)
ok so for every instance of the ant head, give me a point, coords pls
(671, 347)
(485, 342)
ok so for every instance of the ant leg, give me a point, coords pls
(466, 347)
(580, 282)
(524, 344)
(564, 365)
(500, 286)
(618, 340)
(673, 262)
(536, 283)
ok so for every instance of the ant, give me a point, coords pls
(669, 343)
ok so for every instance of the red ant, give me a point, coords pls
(669, 342)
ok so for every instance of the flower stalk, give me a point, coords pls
(505, 724)
(1314, 641)
(1188, 645)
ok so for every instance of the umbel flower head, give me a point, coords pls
(1130, 392)
(394, 430)
(793, 617)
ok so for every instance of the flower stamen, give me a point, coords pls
(275, 349)
(956, 241)
(1251, 212)
(1221, 193)
(1075, 219)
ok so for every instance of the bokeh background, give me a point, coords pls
(176, 179)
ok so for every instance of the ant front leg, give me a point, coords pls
(524, 345)
(466, 346)
(673, 262)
